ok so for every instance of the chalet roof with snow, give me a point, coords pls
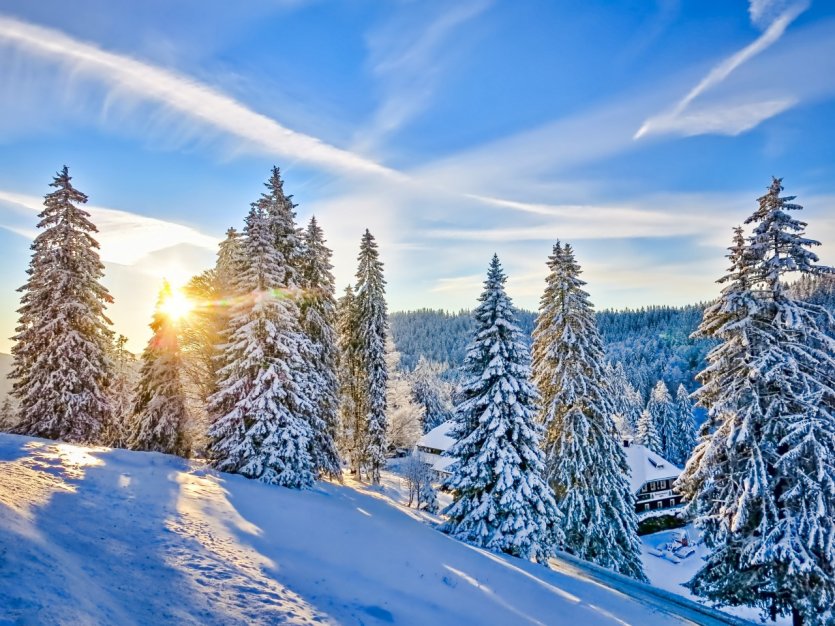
(646, 466)
(437, 438)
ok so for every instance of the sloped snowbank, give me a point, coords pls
(100, 536)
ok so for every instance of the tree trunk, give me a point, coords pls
(797, 618)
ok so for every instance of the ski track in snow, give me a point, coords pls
(100, 536)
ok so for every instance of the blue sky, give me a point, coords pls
(639, 131)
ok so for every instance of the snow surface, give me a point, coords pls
(671, 576)
(101, 536)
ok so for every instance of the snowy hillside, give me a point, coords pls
(100, 536)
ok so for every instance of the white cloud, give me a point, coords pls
(726, 119)
(125, 238)
(137, 81)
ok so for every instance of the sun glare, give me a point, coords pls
(177, 306)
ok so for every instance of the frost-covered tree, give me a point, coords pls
(318, 315)
(586, 466)
(289, 240)
(61, 368)
(501, 501)
(351, 388)
(684, 431)
(371, 328)
(428, 393)
(259, 430)
(159, 408)
(121, 393)
(626, 401)
(404, 414)
(761, 486)
(8, 415)
(663, 411)
(647, 432)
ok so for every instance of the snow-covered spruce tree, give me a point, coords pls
(159, 408)
(663, 411)
(427, 391)
(351, 389)
(647, 432)
(259, 432)
(585, 464)
(61, 366)
(371, 327)
(318, 314)
(762, 486)
(626, 401)
(501, 500)
(684, 431)
(289, 239)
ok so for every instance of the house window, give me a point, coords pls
(672, 501)
(646, 507)
(660, 504)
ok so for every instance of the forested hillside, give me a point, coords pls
(652, 343)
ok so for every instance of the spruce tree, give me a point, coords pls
(586, 466)
(371, 327)
(762, 485)
(663, 411)
(501, 501)
(61, 367)
(8, 415)
(427, 389)
(684, 432)
(159, 408)
(261, 393)
(318, 314)
(289, 240)
(647, 432)
(121, 393)
(351, 387)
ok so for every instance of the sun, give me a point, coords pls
(177, 306)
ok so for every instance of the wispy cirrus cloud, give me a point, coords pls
(129, 78)
(406, 56)
(729, 118)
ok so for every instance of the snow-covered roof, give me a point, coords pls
(645, 466)
(437, 438)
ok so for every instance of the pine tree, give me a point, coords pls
(586, 466)
(371, 328)
(259, 432)
(684, 433)
(318, 314)
(501, 501)
(159, 408)
(61, 366)
(762, 485)
(427, 390)
(647, 433)
(663, 411)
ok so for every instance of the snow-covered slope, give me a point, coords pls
(100, 536)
